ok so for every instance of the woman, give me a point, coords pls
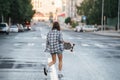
(54, 45)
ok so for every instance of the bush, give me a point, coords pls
(68, 20)
(74, 24)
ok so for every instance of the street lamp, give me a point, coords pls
(118, 15)
(102, 16)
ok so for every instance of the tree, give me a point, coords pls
(111, 8)
(17, 10)
(21, 10)
(4, 9)
(93, 9)
(68, 20)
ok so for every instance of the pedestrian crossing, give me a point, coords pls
(93, 45)
(97, 45)
(80, 43)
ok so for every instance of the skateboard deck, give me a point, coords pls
(69, 46)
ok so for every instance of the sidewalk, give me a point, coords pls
(111, 33)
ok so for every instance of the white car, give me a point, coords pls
(4, 28)
(78, 28)
(88, 28)
(20, 28)
(13, 28)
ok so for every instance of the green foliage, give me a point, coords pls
(17, 10)
(4, 8)
(111, 8)
(68, 20)
(74, 24)
(93, 9)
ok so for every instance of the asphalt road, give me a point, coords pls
(94, 57)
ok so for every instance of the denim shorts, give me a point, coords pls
(60, 52)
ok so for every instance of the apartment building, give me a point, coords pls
(70, 7)
(46, 8)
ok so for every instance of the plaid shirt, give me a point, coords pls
(54, 42)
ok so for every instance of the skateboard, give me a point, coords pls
(69, 46)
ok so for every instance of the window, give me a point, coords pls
(53, 3)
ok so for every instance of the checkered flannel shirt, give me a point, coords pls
(54, 42)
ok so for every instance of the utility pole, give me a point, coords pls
(118, 15)
(102, 19)
(2, 18)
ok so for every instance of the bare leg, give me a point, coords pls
(53, 60)
(60, 62)
(50, 64)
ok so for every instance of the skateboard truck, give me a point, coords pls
(72, 47)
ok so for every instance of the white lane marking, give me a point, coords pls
(19, 70)
(53, 73)
(26, 38)
(43, 36)
(30, 44)
(79, 38)
(16, 44)
(16, 37)
(94, 38)
(115, 44)
(27, 59)
(35, 37)
(96, 44)
(85, 44)
(39, 29)
(100, 45)
(71, 38)
(43, 44)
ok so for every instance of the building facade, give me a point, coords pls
(53, 8)
(46, 8)
(70, 7)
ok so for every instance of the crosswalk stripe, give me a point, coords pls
(43, 36)
(99, 45)
(43, 44)
(30, 44)
(85, 44)
(94, 45)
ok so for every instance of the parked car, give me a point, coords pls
(4, 28)
(13, 28)
(28, 25)
(20, 28)
(88, 28)
(78, 28)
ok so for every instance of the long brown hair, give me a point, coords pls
(56, 26)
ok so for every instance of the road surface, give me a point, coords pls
(95, 57)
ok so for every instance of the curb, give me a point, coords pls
(113, 35)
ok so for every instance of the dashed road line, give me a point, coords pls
(85, 44)
(34, 38)
(94, 45)
(100, 45)
(43, 36)
(28, 44)
(43, 44)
